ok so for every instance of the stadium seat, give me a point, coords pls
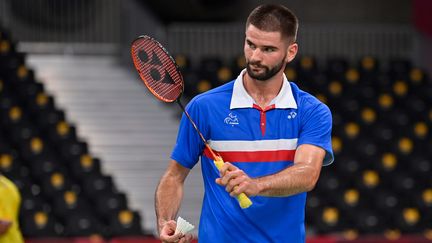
(22, 132)
(82, 224)
(409, 220)
(183, 62)
(44, 166)
(368, 66)
(40, 223)
(10, 165)
(238, 63)
(62, 132)
(291, 74)
(85, 166)
(314, 203)
(70, 203)
(32, 200)
(191, 80)
(110, 203)
(125, 222)
(421, 167)
(47, 118)
(98, 185)
(224, 75)
(399, 68)
(72, 149)
(336, 68)
(330, 220)
(424, 200)
(208, 68)
(368, 221)
(307, 68)
(56, 183)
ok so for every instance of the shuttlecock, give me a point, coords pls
(183, 226)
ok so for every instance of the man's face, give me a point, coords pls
(266, 53)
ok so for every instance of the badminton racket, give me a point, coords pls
(161, 76)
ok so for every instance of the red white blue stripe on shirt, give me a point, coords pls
(254, 151)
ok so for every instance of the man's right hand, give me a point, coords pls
(167, 233)
(4, 226)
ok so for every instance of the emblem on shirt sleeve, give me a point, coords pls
(231, 119)
(292, 115)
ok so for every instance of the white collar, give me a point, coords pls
(241, 99)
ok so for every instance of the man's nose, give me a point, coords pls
(256, 55)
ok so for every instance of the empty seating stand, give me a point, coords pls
(61, 184)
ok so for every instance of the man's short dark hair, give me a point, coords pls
(271, 17)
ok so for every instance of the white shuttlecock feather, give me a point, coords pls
(183, 226)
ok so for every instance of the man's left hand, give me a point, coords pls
(236, 181)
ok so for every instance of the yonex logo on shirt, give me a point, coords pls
(292, 115)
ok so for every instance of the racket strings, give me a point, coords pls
(158, 70)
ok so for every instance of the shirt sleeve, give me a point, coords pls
(189, 146)
(316, 129)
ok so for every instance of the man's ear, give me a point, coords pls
(291, 52)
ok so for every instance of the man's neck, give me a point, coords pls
(263, 92)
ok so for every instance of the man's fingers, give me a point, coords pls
(171, 224)
(235, 182)
(172, 238)
(167, 232)
(186, 239)
(226, 167)
(169, 228)
(231, 175)
(238, 189)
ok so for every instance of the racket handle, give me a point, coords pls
(242, 198)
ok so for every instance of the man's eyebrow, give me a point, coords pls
(271, 47)
(251, 43)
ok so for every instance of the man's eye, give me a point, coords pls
(268, 49)
(252, 46)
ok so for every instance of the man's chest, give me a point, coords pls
(253, 124)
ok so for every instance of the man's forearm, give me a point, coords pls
(300, 177)
(295, 179)
(169, 194)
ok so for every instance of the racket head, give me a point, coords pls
(157, 69)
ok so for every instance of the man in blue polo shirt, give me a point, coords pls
(275, 136)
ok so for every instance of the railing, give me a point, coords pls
(63, 26)
(106, 23)
(81, 21)
(319, 40)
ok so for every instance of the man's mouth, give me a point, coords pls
(256, 67)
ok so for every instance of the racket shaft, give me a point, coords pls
(193, 123)
(242, 198)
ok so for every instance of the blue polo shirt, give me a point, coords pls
(260, 142)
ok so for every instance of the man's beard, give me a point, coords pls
(268, 72)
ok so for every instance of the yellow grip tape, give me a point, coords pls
(243, 199)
